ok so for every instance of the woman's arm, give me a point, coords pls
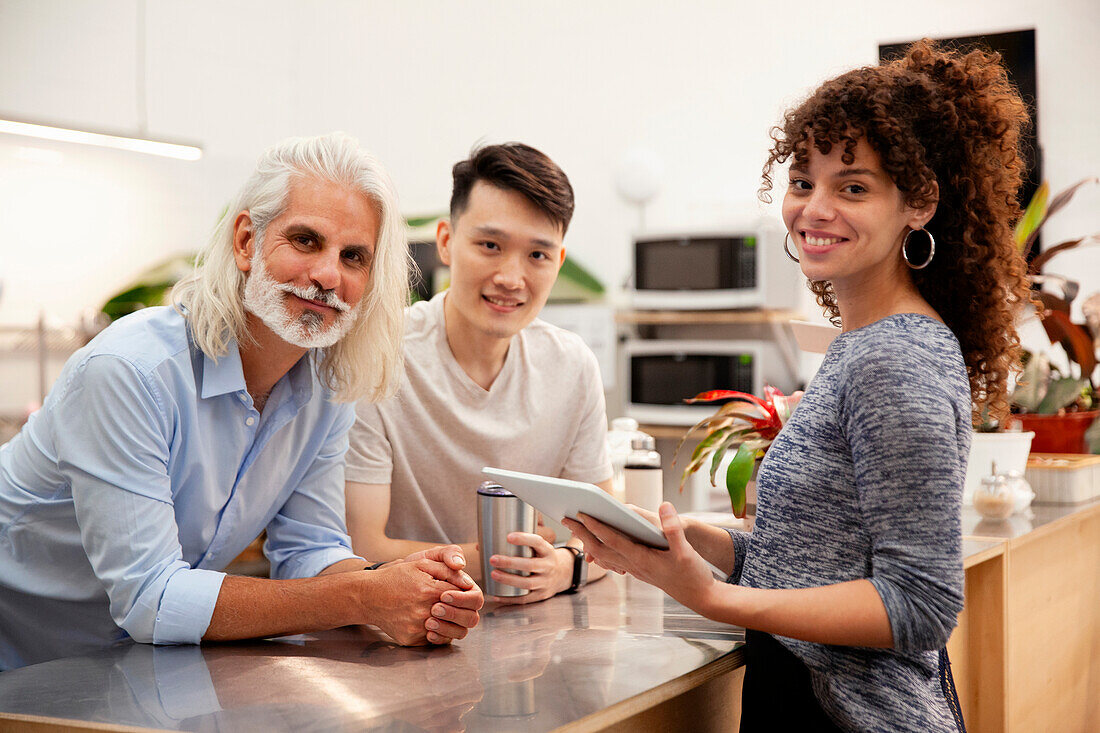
(713, 543)
(850, 613)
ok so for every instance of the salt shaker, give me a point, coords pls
(994, 498)
(1020, 489)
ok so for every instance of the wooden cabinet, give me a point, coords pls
(1026, 653)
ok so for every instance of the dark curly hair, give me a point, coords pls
(937, 117)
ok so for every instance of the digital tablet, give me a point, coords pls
(558, 498)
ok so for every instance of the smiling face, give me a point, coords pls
(504, 254)
(848, 220)
(308, 276)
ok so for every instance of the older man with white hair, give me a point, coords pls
(179, 434)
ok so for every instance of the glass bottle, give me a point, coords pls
(642, 477)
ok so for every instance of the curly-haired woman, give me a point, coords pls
(902, 196)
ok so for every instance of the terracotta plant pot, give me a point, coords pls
(1058, 433)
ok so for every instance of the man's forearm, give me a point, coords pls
(254, 607)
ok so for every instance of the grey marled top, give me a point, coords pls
(865, 481)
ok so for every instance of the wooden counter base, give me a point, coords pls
(1026, 653)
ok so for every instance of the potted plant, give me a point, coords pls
(744, 424)
(1060, 409)
(1058, 404)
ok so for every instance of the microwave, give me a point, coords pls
(661, 373)
(743, 268)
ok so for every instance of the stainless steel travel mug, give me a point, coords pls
(500, 512)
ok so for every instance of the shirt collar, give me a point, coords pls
(226, 375)
(223, 376)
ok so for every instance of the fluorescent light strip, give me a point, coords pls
(136, 145)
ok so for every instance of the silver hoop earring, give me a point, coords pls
(786, 237)
(931, 249)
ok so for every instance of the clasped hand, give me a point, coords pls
(679, 571)
(427, 597)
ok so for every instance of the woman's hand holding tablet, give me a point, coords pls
(560, 499)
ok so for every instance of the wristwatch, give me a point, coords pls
(580, 570)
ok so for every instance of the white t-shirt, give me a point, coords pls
(543, 414)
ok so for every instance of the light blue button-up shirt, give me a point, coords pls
(148, 470)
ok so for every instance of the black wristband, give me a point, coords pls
(376, 565)
(580, 570)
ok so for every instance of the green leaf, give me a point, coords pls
(575, 283)
(1033, 217)
(737, 477)
(714, 422)
(706, 445)
(1061, 393)
(1031, 387)
(151, 287)
(415, 222)
(720, 453)
(1092, 437)
(575, 271)
(697, 460)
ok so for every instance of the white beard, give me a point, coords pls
(267, 299)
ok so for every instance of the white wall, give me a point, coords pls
(698, 83)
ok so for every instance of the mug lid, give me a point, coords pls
(492, 488)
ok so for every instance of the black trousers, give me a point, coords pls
(777, 694)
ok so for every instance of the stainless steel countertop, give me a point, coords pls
(1019, 525)
(524, 668)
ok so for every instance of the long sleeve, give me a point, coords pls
(741, 543)
(115, 454)
(903, 428)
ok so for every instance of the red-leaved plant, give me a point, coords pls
(745, 423)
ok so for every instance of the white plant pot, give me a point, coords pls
(1008, 450)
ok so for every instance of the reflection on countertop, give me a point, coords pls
(530, 668)
(1018, 525)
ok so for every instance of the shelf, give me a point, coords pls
(778, 321)
(667, 317)
(670, 432)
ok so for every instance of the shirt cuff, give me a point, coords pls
(187, 606)
(893, 600)
(310, 564)
(741, 542)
